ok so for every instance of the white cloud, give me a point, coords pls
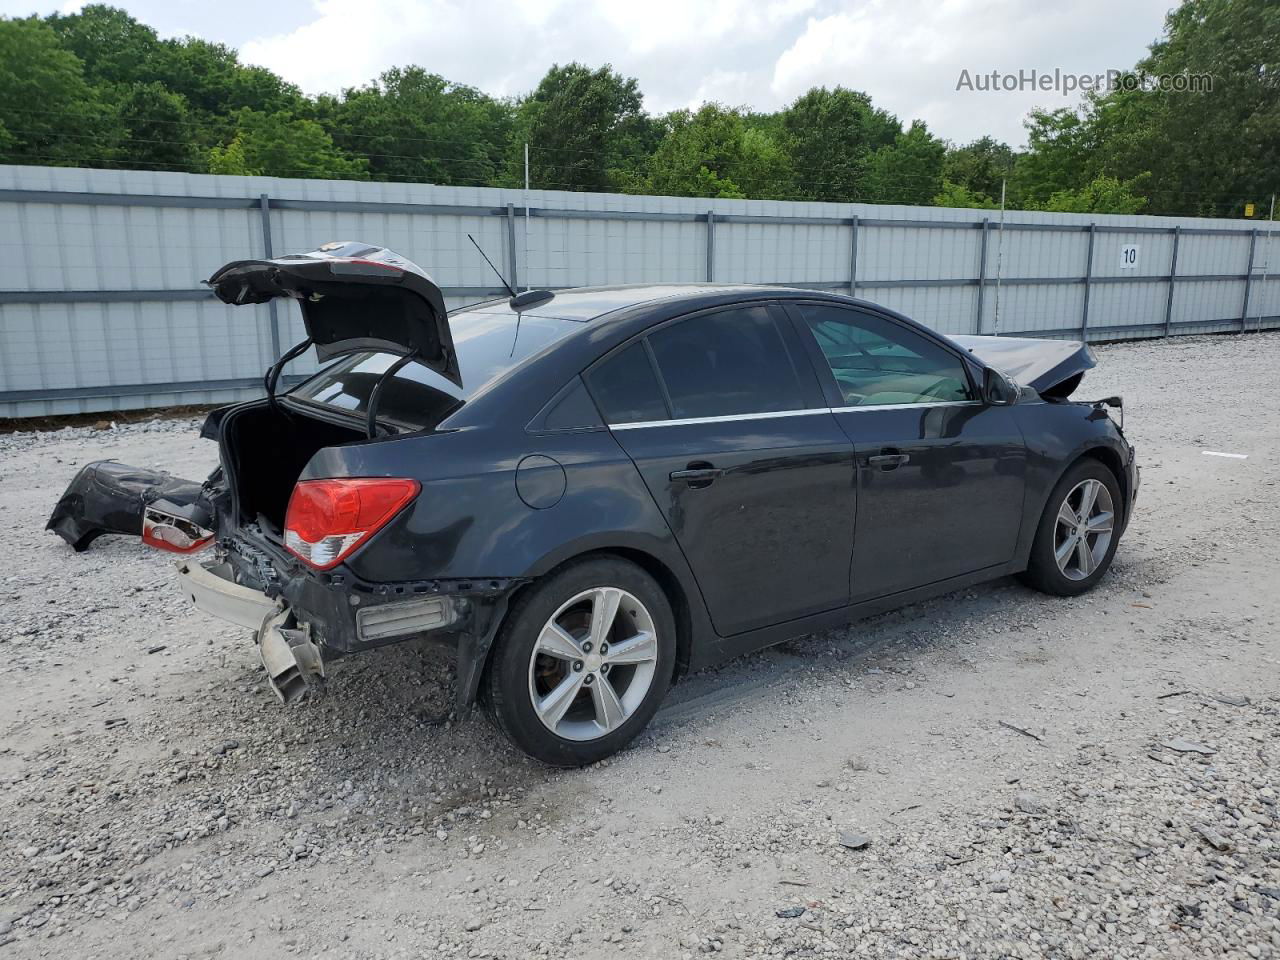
(909, 54)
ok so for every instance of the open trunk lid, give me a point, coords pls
(1050, 367)
(354, 297)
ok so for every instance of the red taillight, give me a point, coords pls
(328, 519)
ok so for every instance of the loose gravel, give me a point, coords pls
(992, 774)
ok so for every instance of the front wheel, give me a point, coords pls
(582, 662)
(1078, 532)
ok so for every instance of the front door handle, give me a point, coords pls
(889, 461)
(697, 475)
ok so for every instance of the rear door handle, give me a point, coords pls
(889, 461)
(697, 475)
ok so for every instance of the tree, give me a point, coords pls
(113, 46)
(979, 167)
(958, 195)
(217, 85)
(1102, 195)
(154, 129)
(414, 125)
(830, 136)
(48, 114)
(907, 171)
(586, 129)
(716, 153)
(281, 145)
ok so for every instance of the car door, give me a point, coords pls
(725, 420)
(941, 474)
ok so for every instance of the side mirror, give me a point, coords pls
(997, 389)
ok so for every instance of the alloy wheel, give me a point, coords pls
(593, 663)
(1084, 527)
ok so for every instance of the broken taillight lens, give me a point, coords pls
(328, 519)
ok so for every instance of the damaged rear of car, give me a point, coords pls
(295, 554)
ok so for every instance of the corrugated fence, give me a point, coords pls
(101, 305)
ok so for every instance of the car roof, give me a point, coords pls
(587, 303)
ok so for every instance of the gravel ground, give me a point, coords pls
(992, 774)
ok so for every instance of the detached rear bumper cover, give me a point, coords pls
(111, 497)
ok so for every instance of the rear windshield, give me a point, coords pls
(487, 346)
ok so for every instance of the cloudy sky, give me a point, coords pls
(907, 54)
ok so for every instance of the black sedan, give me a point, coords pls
(591, 493)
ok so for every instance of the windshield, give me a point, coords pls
(487, 347)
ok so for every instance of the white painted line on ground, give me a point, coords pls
(1231, 456)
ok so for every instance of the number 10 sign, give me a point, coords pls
(1129, 256)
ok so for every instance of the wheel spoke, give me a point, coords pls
(609, 712)
(1063, 553)
(641, 648)
(1088, 496)
(604, 610)
(555, 704)
(1101, 523)
(555, 641)
(1084, 556)
(1066, 516)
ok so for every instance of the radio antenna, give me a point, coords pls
(490, 263)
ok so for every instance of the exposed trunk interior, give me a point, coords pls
(267, 450)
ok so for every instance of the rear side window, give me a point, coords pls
(728, 363)
(626, 388)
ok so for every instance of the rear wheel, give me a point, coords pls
(582, 662)
(1078, 532)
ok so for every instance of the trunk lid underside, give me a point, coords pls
(354, 297)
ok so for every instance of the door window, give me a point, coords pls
(727, 363)
(878, 362)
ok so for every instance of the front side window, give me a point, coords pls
(877, 362)
(727, 363)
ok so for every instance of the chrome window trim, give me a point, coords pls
(908, 406)
(775, 414)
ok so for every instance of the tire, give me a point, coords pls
(1059, 565)
(553, 692)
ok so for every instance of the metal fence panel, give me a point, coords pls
(101, 305)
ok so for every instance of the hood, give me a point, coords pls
(354, 297)
(1052, 368)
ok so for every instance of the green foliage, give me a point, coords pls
(281, 145)
(154, 129)
(48, 114)
(830, 136)
(978, 167)
(1102, 195)
(909, 170)
(715, 152)
(958, 195)
(414, 125)
(114, 47)
(587, 129)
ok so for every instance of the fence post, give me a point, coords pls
(512, 276)
(711, 246)
(1248, 279)
(1173, 279)
(264, 206)
(982, 275)
(1088, 284)
(853, 256)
